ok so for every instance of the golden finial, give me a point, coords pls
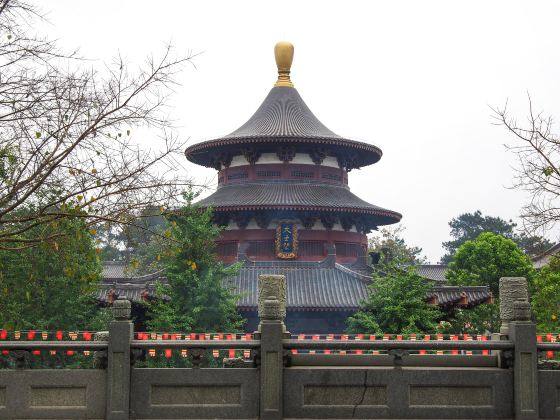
(284, 54)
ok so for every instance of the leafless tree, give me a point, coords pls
(537, 149)
(70, 135)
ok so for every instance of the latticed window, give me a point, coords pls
(260, 249)
(268, 174)
(237, 175)
(311, 248)
(227, 249)
(331, 176)
(302, 174)
(345, 249)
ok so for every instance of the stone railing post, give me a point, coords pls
(511, 289)
(121, 331)
(272, 311)
(522, 331)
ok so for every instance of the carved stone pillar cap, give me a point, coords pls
(511, 289)
(272, 285)
(271, 309)
(121, 309)
(521, 310)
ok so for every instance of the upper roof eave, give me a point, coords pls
(283, 117)
(200, 153)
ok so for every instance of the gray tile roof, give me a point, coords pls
(543, 259)
(283, 117)
(293, 196)
(116, 277)
(433, 272)
(118, 271)
(114, 270)
(449, 295)
(283, 113)
(310, 286)
(132, 291)
(307, 288)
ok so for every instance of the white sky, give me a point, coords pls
(415, 78)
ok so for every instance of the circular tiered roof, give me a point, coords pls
(283, 119)
(296, 196)
(284, 122)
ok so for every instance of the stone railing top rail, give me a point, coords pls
(53, 345)
(401, 344)
(196, 344)
(548, 346)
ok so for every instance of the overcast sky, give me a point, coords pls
(415, 78)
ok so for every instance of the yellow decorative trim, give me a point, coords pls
(284, 54)
(278, 242)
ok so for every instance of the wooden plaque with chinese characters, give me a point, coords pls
(286, 240)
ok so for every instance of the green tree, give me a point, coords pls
(198, 298)
(396, 303)
(481, 319)
(532, 245)
(53, 285)
(146, 239)
(390, 245)
(482, 262)
(545, 299)
(467, 227)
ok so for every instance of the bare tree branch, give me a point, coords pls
(537, 150)
(79, 143)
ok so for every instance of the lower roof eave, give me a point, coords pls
(304, 309)
(394, 216)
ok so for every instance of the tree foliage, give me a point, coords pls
(545, 299)
(198, 299)
(483, 261)
(482, 319)
(53, 285)
(467, 227)
(391, 246)
(396, 301)
(71, 136)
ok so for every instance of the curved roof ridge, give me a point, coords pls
(361, 276)
(108, 278)
(283, 113)
(467, 288)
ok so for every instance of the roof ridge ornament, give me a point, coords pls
(284, 55)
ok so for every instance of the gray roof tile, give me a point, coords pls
(283, 113)
(310, 285)
(293, 196)
(283, 117)
(433, 271)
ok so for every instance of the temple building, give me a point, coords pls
(286, 208)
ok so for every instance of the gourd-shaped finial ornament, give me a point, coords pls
(284, 54)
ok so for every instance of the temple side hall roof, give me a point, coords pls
(118, 271)
(306, 288)
(310, 286)
(294, 196)
(435, 272)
